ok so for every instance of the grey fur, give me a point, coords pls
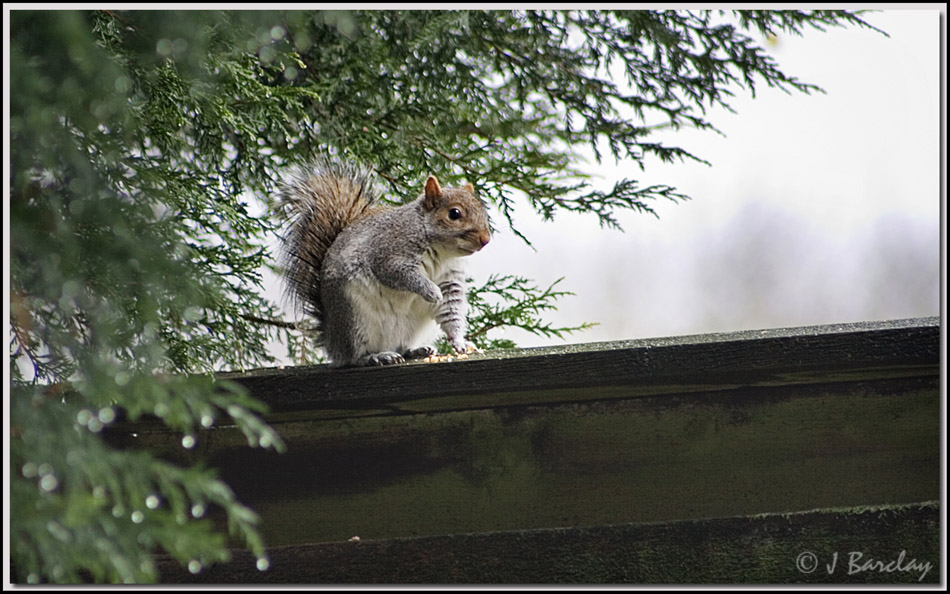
(374, 277)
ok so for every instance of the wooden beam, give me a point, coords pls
(541, 443)
(649, 366)
(882, 545)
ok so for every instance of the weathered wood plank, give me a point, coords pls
(651, 366)
(666, 457)
(659, 430)
(883, 545)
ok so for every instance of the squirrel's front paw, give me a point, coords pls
(432, 293)
(462, 346)
(384, 358)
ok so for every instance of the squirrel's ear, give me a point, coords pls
(433, 191)
(469, 187)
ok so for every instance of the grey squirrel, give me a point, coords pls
(373, 276)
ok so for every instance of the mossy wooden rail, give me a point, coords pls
(765, 457)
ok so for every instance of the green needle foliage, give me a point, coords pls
(513, 301)
(146, 147)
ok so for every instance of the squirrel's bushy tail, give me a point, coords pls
(318, 201)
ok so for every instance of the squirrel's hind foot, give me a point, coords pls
(419, 353)
(394, 358)
(378, 359)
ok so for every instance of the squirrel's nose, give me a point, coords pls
(484, 238)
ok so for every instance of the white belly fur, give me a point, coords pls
(390, 320)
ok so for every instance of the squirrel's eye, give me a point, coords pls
(455, 214)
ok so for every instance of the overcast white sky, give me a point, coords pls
(816, 209)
